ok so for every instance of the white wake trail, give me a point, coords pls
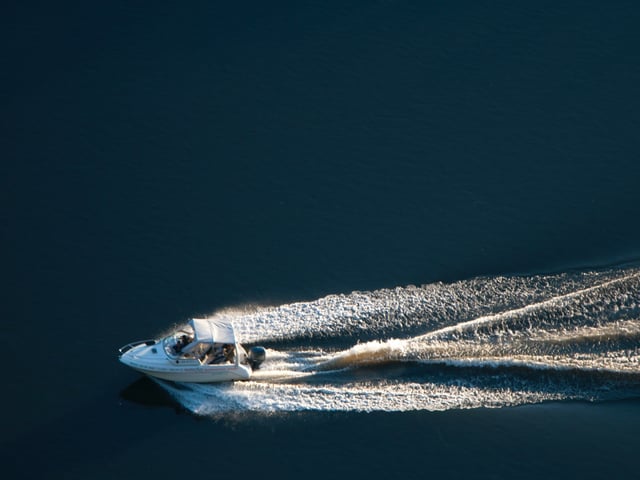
(433, 345)
(518, 312)
(489, 342)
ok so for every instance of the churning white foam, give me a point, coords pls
(271, 398)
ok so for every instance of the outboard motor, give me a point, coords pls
(256, 356)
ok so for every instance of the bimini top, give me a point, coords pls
(207, 330)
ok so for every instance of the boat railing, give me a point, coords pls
(129, 346)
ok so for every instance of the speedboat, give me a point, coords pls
(204, 351)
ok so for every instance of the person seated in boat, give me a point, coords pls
(182, 342)
(228, 352)
(217, 356)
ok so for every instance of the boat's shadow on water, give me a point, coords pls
(147, 393)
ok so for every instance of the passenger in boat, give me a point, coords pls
(218, 355)
(182, 342)
(228, 351)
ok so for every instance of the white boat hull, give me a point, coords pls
(150, 360)
(203, 374)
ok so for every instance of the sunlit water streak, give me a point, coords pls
(484, 342)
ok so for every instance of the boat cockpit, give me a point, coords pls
(183, 345)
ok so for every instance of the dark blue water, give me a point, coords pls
(163, 161)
